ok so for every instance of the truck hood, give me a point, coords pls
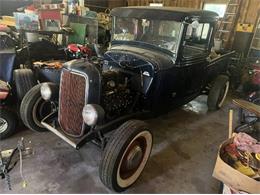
(158, 59)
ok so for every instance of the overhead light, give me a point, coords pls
(156, 4)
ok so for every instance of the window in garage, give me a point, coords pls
(156, 4)
(219, 8)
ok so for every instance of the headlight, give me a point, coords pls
(92, 114)
(46, 91)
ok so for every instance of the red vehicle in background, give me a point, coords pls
(254, 83)
(256, 74)
(249, 122)
(77, 51)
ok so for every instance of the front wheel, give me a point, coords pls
(34, 108)
(126, 155)
(8, 122)
(218, 92)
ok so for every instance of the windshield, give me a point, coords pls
(162, 33)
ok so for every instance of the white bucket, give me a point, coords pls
(217, 44)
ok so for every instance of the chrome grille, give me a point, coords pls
(72, 100)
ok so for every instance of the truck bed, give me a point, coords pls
(218, 65)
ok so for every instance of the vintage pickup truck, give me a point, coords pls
(160, 58)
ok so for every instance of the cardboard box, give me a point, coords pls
(52, 6)
(229, 190)
(38, 3)
(26, 21)
(50, 19)
(233, 178)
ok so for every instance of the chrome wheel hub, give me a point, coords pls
(134, 158)
(3, 125)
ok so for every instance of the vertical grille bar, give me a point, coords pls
(72, 101)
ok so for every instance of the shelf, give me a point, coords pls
(224, 31)
(255, 48)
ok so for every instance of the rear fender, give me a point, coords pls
(3, 95)
(4, 90)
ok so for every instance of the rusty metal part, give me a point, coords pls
(72, 101)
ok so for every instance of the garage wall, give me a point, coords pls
(250, 11)
(117, 3)
(176, 3)
(245, 15)
(248, 14)
(7, 7)
(96, 5)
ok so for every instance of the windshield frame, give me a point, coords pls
(144, 44)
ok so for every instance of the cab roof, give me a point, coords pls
(164, 13)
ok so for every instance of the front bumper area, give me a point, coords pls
(50, 122)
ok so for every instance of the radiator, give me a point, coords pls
(71, 102)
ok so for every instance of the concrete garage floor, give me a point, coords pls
(184, 153)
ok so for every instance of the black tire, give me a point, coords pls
(235, 76)
(112, 163)
(8, 123)
(33, 109)
(24, 81)
(218, 93)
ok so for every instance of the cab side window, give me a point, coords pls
(198, 35)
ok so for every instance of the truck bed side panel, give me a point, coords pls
(218, 65)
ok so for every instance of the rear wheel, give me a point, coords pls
(8, 122)
(126, 155)
(33, 109)
(218, 92)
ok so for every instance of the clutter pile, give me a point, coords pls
(238, 161)
(40, 16)
(57, 64)
(77, 51)
(243, 154)
(238, 164)
(104, 19)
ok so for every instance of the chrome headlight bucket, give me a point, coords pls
(93, 114)
(49, 91)
(46, 91)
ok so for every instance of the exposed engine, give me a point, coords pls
(117, 97)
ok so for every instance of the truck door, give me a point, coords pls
(194, 53)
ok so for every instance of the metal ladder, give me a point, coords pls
(256, 39)
(227, 24)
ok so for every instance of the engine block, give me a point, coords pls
(116, 94)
